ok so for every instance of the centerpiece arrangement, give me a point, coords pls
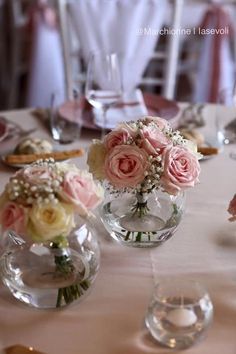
(145, 166)
(51, 257)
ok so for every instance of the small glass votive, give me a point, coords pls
(179, 313)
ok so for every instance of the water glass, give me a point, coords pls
(179, 313)
(65, 119)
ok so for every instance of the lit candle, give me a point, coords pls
(182, 317)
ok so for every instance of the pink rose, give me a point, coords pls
(125, 166)
(13, 217)
(36, 175)
(116, 137)
(181, 169)
(232, 209)
(160, 122)
(153, 140)
(81, 190)
(129, 127)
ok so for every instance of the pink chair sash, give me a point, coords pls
(215, 71)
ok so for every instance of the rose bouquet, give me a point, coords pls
(42, 204)
(142, 156)
(232, 209)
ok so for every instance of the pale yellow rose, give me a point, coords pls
(96, 159)
(192, 147)
(48, 221)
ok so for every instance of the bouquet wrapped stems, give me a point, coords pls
(66, 269)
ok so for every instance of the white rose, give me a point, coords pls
(192, 147)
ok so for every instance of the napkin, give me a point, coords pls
(132, 107)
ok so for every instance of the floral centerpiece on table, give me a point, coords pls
(232, 209)
(42, 203)
(142, 156)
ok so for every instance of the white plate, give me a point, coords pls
(19, 165)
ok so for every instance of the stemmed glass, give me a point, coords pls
(103, 84)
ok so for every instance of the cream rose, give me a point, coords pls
(192, 147)
(96, 159)
(180, 169)
(125, 166)
(48, 221)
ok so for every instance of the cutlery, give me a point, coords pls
(20, 133)
(15, 129)
(24, 133)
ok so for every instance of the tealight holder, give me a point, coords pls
(179, 313)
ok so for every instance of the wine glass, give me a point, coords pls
(103, 84)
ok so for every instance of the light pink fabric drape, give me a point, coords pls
(215, 67)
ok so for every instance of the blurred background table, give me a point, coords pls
(184, 67)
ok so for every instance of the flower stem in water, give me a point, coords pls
(65, 268)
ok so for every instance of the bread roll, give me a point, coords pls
(193, 135)
(33, 146)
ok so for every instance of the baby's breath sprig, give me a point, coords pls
(20, 188)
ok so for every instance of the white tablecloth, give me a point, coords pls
(111, 319)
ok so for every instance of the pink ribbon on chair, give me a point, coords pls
(217, 55)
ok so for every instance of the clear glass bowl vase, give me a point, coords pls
(46, 276)
(145, 220)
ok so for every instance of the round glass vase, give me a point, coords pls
(51, 275)
(142, 220)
